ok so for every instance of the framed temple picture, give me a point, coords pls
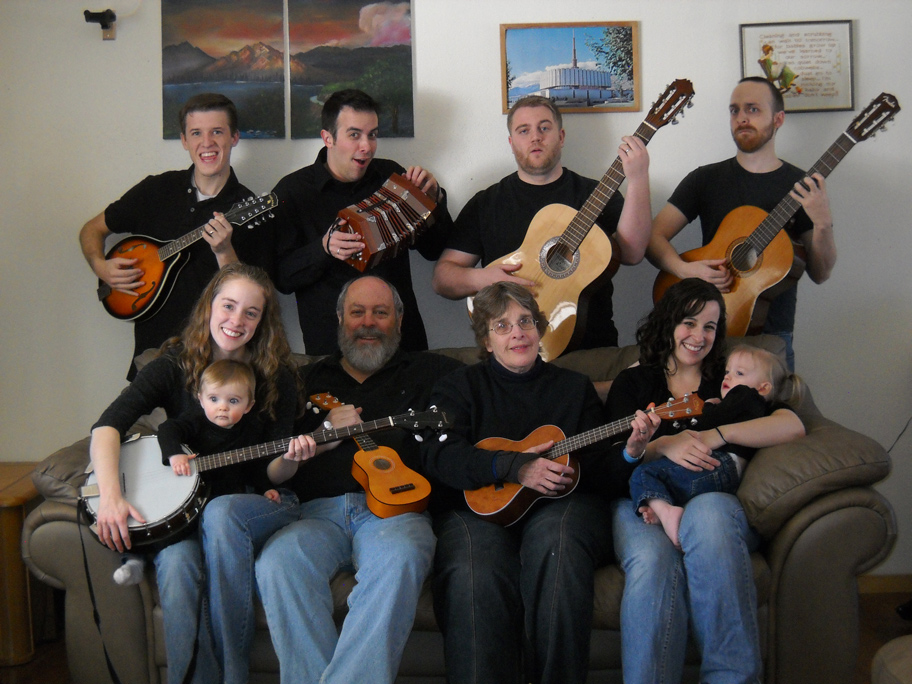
(809, 61)
(582, 67)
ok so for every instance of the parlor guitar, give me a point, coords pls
(564, 256)
(161, 262)
(392, 488)
(759, 254)
(507, 502)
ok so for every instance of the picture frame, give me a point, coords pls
(582, 67)
(811, 62)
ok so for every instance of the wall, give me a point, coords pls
(82, 122)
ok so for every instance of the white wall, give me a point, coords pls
(81, 122)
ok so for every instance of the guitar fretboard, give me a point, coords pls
(566, 446)
(586, 217)
(280, 446)
(776, 220)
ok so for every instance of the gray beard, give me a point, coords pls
(371, 358)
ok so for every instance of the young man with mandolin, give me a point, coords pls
(496, 221)
(166, 207)
(754, 177)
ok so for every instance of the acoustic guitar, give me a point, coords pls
(161, 262)
(564, 256)
(759, 254)
(171, 504)
(391, 487)
(507, 502)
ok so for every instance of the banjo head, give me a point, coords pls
(169, 503)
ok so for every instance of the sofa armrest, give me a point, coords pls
(53, 551)
(815, 559)
(781, 480)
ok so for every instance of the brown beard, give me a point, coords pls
(760, 139)
(368, 359)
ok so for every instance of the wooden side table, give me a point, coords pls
(16, 490)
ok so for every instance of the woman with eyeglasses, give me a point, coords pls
(515, 602)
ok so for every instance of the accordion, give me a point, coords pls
(389, 221)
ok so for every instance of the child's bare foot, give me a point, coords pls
(649, 516)
(670, 517)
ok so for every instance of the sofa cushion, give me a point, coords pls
(781, 480)
(59, 476)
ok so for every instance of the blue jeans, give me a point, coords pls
(666, 480)
(391, 558)
(234, 529)
(500, 592)
(179, 573)
(709, 584)
(788, 337)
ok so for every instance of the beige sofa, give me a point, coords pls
(812, 501)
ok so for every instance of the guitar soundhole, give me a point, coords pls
(744, 258)
(382, 464)
(556, 260)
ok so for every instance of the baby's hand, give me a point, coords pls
(273, 495)
(180, 463)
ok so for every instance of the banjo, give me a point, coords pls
(171, 504)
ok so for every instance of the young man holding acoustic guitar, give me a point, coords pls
(166, 207)
(755, 176)
(496, 220)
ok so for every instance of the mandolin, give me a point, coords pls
(161, 262)
(760, 255)
(564, 256)
(507, 502)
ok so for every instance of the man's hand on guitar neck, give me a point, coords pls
(218, 234)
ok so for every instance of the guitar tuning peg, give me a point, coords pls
(308, 405)
(442, 437)
(433, 407)
(690, 104)
(676, 425)
(327, 425)
(674, 122)
(315, 409)
(419, 438)
(693, 421)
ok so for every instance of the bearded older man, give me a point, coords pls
(332, 528)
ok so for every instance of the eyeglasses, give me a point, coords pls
(524, 323)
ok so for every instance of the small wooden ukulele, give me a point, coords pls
(392, 488)
(507, 502)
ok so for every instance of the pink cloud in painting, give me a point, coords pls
(385, 23)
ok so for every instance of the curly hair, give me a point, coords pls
(492, 301)
(655, 334)
(267, 353)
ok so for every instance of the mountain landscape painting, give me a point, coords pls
(336, 44)
(233, 47)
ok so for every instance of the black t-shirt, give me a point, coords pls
(711, 192)
(495, 221)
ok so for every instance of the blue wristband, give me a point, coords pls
(631, 459)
